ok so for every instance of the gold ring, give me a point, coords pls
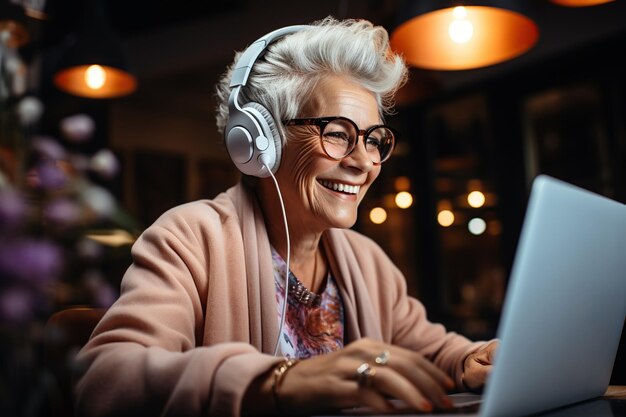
(383, 358)
(364, 374)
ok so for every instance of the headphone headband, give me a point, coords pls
(251, 134)
(254, 51)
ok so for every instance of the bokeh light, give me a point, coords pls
(461, 29)
(445, 218)
(477, 226)
(378, 215)
(404, 199)
(476, 199)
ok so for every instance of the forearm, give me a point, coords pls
(126, 379)
(258, 401)
(445, 349)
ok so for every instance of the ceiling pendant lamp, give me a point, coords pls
(579, 3)
(94, 65)
(460, 35)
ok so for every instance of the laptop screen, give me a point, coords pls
(565, 304)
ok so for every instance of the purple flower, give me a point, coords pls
(12, 210)
(29, 110)
(105, 164)
(99, 200)
(89, 250)
(17, 304)
(48, 148)
(30, 261)
(79, 162)
(100, 291)
(77, 128)
(105, 297)
(62, 212)
(48, 176)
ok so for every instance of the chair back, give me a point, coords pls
(65, 333)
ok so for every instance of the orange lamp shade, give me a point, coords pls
(464, 37)
(94, 63)
(95, 81)
(579, 3)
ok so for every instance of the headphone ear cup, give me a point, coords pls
(252, 140)
(270, 131)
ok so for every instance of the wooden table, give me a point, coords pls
(615, 392)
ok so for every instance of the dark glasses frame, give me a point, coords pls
(322, 122)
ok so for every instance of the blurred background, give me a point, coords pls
(84, 169)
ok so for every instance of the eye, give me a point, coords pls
(379, 138)
(336, 137)
(373, 142)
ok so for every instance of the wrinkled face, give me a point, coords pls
(320, 192)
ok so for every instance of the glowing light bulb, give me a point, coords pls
(476, 199)
(95, 77)
(445, 218)
(460, 30)
(477, 226)
(378, 215)
(404, 199)
(459, 12)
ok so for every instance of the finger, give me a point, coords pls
(441, 377)
(476, 374)
(403, 359)
(486, 354)
(482, 358)
(395, 385)
(430, 387)
(489, 349)
(372, 398)
(421, 374)
(368, 349)
(350, 391)
(492, 348)
(406, 364)
(479, 372)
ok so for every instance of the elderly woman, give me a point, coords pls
(203, 326)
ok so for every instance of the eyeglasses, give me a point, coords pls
(340, 135)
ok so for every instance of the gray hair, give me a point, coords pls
(284, 78)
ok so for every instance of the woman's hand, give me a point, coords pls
(333, 381)
(478, 365)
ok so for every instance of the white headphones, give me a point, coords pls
(251, 136)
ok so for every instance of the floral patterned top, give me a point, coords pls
(308, 330)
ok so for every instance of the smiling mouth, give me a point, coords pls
(339, 187)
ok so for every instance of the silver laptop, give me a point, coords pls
(565, 304)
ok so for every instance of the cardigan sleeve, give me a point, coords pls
(402, 319)
(151, 353)
(413, 329)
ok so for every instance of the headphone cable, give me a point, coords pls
(286, 295)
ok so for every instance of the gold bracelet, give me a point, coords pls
(279, 374)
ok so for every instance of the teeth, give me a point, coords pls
(344, 188)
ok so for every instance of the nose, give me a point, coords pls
(359, 157)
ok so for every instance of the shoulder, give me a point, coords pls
(196, 221)
(363, 265)
(363, 255)
(200, 213)
(363, 246)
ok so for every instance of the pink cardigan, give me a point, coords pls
(196, 321)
